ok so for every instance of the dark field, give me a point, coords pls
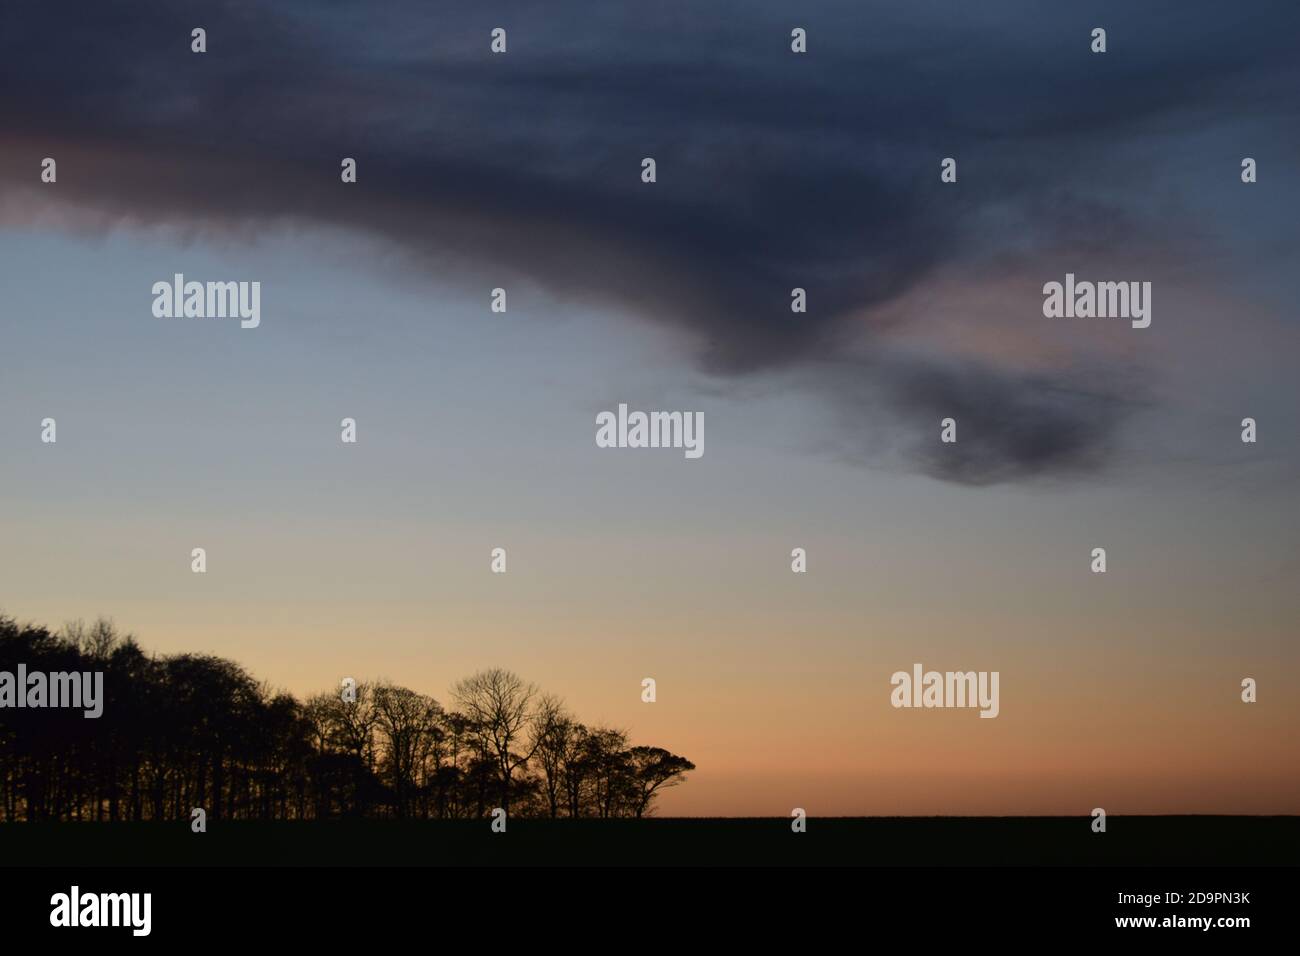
(873, 841)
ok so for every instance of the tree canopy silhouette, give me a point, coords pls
(191, 730)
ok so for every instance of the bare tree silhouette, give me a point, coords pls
(500, 708)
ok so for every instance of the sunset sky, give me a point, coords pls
(476, 430)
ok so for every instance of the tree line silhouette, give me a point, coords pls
(191, 730)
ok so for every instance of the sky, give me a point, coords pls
(476, 429)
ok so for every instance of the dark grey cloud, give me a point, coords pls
(775, 170)
(1010, 425)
